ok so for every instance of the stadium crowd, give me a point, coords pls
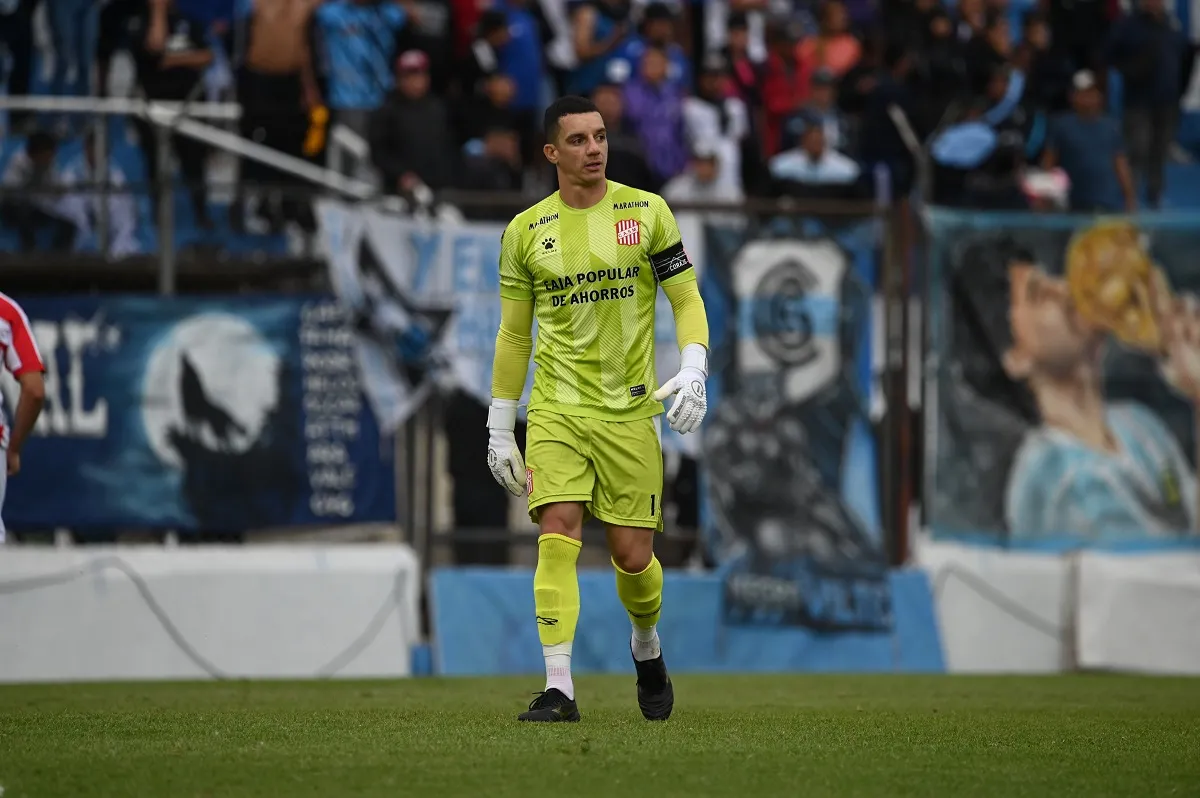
(707, 101)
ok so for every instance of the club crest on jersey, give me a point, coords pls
(629, 233)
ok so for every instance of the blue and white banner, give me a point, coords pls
(425, 296)
(212, 415)
(1061, 409)
(791, 468)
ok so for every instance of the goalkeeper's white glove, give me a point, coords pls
(504, 458)
(690, 404)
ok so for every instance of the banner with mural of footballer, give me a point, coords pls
(1064, 380)
(213, 415)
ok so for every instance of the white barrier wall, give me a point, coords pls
(999, 612)
(1007, 612)
(1140, 613)
(210, 612)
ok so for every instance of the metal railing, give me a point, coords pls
(170, 118)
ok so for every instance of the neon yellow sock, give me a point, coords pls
(641, 594)
(556, 589)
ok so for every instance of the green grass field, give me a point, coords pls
(730, 735)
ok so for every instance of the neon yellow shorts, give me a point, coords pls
(615, 468)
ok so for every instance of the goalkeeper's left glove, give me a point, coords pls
(690, 405)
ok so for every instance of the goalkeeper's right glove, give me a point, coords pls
(504, 458)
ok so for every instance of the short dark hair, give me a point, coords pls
(565, 106)
(980, 298)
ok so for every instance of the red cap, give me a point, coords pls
(412, 61)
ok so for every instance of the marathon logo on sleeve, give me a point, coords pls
(544, 220)
(670, 262)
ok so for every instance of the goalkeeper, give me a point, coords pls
(588, 261)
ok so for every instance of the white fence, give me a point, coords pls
(208, 613)
(1005, 612)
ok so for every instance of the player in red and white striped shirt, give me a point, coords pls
(22, 358)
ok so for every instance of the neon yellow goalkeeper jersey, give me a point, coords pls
(593, 276)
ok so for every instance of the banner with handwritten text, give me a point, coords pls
(213, 415)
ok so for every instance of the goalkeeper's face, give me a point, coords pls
(580, 150)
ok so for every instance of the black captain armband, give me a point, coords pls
(670, 262)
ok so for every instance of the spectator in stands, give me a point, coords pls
(988, 51)
(1079, 30)
(745, 17)
(558, 34)
(627, 162)
(784, 86)
(522, 58)
(1087, 145)
(857, 85)
(359, 40)
(833, 48)
(113, 36)
(881, 140)
(483, 57)
(1048, 74)
(411, 139)
(600, 30)
(978, 161)
(427, 27)
(87, 206)
(654, 109)
(73, 29)
(745, 73)
(820, 108)
(940, 71)
(814, 170)
(16, 34)
(172, 55)
(706, 180)
(465, 16)
(36, 206)
(495, 166)
(995, 183)
(1149, 50)
(658, 30)
(277, 87)
(490, 107)
(718, 118)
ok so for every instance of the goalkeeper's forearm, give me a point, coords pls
(514, 344)
(691, 322)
